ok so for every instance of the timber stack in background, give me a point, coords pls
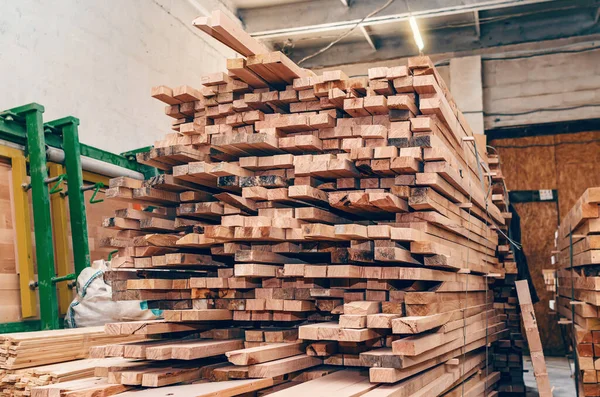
(578, 292)
(309, 228)
(508, 353)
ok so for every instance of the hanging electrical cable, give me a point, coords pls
(345, 34)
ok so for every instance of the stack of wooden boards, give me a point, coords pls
(31, 359)
(508, 353)
(28, 349)
(306, 221)
(578, 292)
(21, 382)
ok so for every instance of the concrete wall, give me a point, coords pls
(550, 81)
(466, 87)
(97, 60)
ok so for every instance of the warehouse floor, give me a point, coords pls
(559, 372)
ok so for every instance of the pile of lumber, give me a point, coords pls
(315, 233)
(508, 353)
(578, 293)
(29, 349)
(32, 359)
(20, 382)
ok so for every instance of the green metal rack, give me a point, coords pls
(24, 127)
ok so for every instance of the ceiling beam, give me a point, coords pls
(368, 37)
(555, 128)
(318, 16)
(477, 24)
(539, 27)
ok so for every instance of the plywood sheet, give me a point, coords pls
(538, 223)
(528, 163)
(7, 238)
(579, 163)
(568, 163)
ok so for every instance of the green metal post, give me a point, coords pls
(24, 126)
(79, 232)
(36, 145)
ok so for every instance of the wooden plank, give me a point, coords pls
(81, 387)
(533, 338)
(261, 354)
(222, 389)
(224, 29)
(282, 366)
(348, 382)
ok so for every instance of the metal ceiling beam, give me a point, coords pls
(368, 37)
(539, 27)
(287, 20)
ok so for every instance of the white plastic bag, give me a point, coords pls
(94, 306)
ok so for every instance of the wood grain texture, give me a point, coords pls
(568, 163)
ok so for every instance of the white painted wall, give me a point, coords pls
(98, 59)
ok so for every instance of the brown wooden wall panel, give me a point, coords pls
(538, 223)
(7, 244)
(569, 163)
(579, 169)
(528, 163)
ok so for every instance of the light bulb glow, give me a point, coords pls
(416, 34)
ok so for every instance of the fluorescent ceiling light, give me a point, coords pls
(416, 33)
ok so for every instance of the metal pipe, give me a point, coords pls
(12, 145)
(87, 163)
(66, 277)
(92, 165)
(393, 18)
